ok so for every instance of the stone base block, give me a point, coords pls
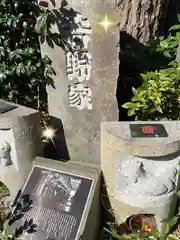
(66, 200)
(20, 143)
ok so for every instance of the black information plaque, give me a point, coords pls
(59, 201)
(148, 131)
(5, 107)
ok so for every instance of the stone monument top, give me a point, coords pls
(152, 139)
(20, 143)
(6, 106)
(11, 111)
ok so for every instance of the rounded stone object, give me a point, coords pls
(145, 146)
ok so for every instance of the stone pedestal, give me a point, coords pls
(20, 143)
(66, 201)
(84, 94)
(140, 164)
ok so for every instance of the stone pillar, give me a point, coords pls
(81, 123)
(20, 143)
(140, 165)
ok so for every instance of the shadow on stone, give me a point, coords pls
(108, 218)
(135, 58)
(57, 149)
(107, 214)
(168, 157)
(64, 19)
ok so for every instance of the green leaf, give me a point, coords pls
(159, 109)
(25, 24)
(14, 22)
(175, 27)
(131, 112)
(41, 23)
(12, 93)
(167, 54)
(155, 232)
(4, 191)
(152, 110)
(6, 227)
(164, 43)
(20, 70)
(38, 64)
(28, 71)
(172, 237)
(116, 236)
(144, 77)
(2, 77)
(31, 51)
(172, 221)
(128, 105)
(134, 90)
(178, 36)
(28, 99)
(9, 22)
(46, 60)
(166, 228)
(141, 94)
(134, 99)
(2, 51)
(3, 3)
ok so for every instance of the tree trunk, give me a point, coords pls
(140, 22)
(143, 19)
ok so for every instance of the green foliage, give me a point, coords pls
(159, 95)
(4, 191)
(112, 234)
(23, 72)
(20, 206)
(170, 231)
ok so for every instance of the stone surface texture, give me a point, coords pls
(141, 174)
(82, 127)
(90, 223)
(21, 128)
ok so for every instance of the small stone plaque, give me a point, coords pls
(148, 131)
(59, 200)
(5, 107)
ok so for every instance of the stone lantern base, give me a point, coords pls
(140, 163)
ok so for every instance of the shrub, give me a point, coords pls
(23, 72)
(170, 232)
(159, 95)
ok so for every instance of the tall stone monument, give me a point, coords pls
(140, 164)
(20, 143)
(86, 76)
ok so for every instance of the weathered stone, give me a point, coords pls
(82, 127)
(140, 146)
(20, 143)
(141, 173)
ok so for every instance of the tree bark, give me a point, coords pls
(143, 19)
